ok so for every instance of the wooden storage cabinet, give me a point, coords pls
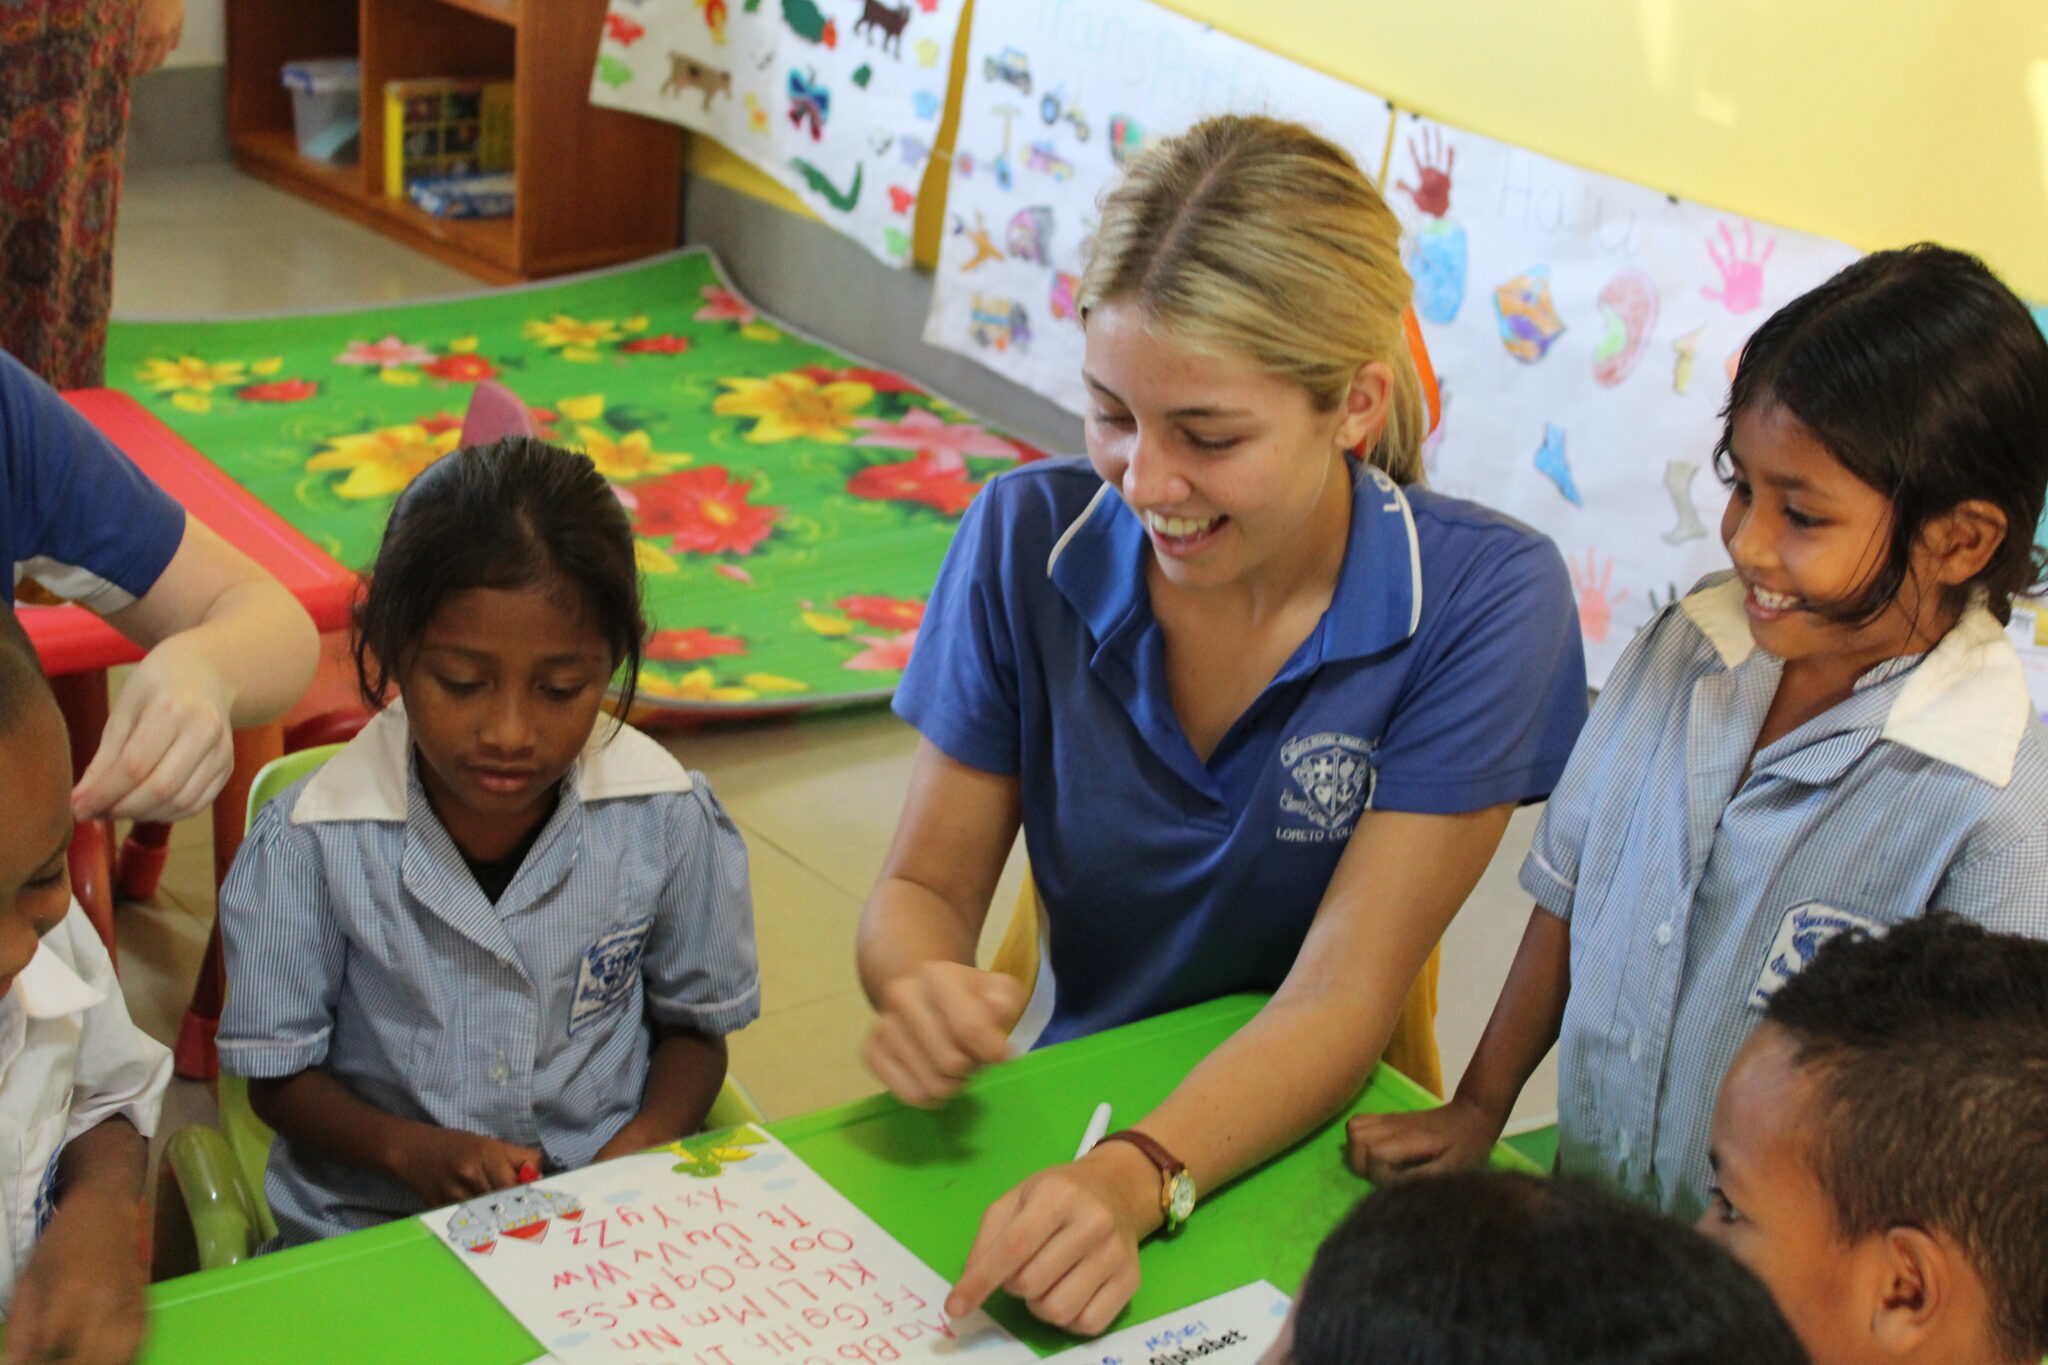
(594, 186)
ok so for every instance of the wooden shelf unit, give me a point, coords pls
(594, 186)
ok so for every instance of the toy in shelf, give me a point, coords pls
(443, 127)
(327, 114)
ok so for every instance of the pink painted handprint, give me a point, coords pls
(1742, 271)
(1433, 163)
(1594, 583)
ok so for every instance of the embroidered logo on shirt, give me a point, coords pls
(1801, 933)
(607, 973)
(1333, 780)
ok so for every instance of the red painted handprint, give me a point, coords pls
(1742, 271)
(1433, 163)
(1594, 584)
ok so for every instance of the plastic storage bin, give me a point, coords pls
(327, 107)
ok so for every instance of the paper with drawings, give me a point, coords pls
(1230, 1329)
(1059, 94)
(722, 1250)
(838, 101)
(1584, 330)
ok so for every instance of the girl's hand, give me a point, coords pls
(940, 1023)
(168, 746)
(80, 1299)
(1066, 1240)
(1387, 1147)
(446, 1165)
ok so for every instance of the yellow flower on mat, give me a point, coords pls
(561, 330)
(404, 379)
(770, 682)
(190, 373)
(696, 685)
(462, 345)
(789, 407)
(270, 364)
(384, 461)
(827, 624)
(192, 402)
(588, 408)
(651, 558)
(760, 331)
(632, 456)
(636, 323)
(582, 355)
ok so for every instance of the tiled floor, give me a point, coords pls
(816, 798)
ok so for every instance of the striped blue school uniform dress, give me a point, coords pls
(358, 940)
(1694, 891)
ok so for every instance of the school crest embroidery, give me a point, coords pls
(1801, 933)
(1332, 776)
(605, 976)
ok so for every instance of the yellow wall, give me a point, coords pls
(1875, 121)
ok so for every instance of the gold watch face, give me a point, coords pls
(1180, 1199)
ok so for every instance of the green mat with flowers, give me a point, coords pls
(791, 505)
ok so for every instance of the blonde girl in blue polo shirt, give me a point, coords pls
(498, 934)
(1260, 704)
(1835, 735)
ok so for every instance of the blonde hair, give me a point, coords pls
(1256, 237)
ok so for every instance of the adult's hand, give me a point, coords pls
(940, 1023)
(168, 746)
(159, 24)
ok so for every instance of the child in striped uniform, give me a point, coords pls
(1835, 736)
(498, 933)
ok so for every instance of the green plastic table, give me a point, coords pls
(395, 1294)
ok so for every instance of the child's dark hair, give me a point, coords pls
(1518, 1270)
(515, 513)
(1929, 1048)
(1928, 380)
(22, 683)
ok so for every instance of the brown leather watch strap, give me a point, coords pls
(1169, 1165)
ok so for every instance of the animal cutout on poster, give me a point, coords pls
(827, 97)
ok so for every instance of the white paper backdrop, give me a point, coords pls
(1059, 93)
(838, 101)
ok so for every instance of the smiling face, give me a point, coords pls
(35, 833)
(1232, 470)
(1806, 534)
(501, 693)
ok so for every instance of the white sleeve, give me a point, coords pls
(121, 1070)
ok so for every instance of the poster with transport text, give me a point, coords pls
(1059, 95)
(724, 1249)
(838, 100)
(1584, 331)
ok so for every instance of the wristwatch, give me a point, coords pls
(1176, 1186)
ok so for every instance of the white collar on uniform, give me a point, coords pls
(49, 989)
(1966, 704)
(368, 779)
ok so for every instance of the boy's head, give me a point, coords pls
(1881, 1148)
(1518, 1270)
(35, 804)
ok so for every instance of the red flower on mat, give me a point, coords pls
(722, 305)
(681, 646)
(438, 423)
(881, 381)
(279, 391)
(665, 344)
(705, 511)
(923, 478)
(884, 613)
(622, 30)
(882, 655)
(461, 368)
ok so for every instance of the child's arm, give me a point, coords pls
(318, 1114)
(80, 1299)
(683, 1078)
(1524, 1025)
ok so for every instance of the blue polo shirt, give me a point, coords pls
(1446, 676)
(76, 514)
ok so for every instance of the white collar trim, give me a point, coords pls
(368, 779)
(1965, 704)
(49, 989)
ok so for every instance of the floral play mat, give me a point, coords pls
(791, 505)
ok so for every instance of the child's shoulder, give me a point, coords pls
(623, 761)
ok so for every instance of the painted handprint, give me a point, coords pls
(1742, 269)
(1433, 163)
(1594, 583)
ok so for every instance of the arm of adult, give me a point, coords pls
(228, 647)
(941, 1018)
(159, 25)
(1066, 1239)
(1525, 1021)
